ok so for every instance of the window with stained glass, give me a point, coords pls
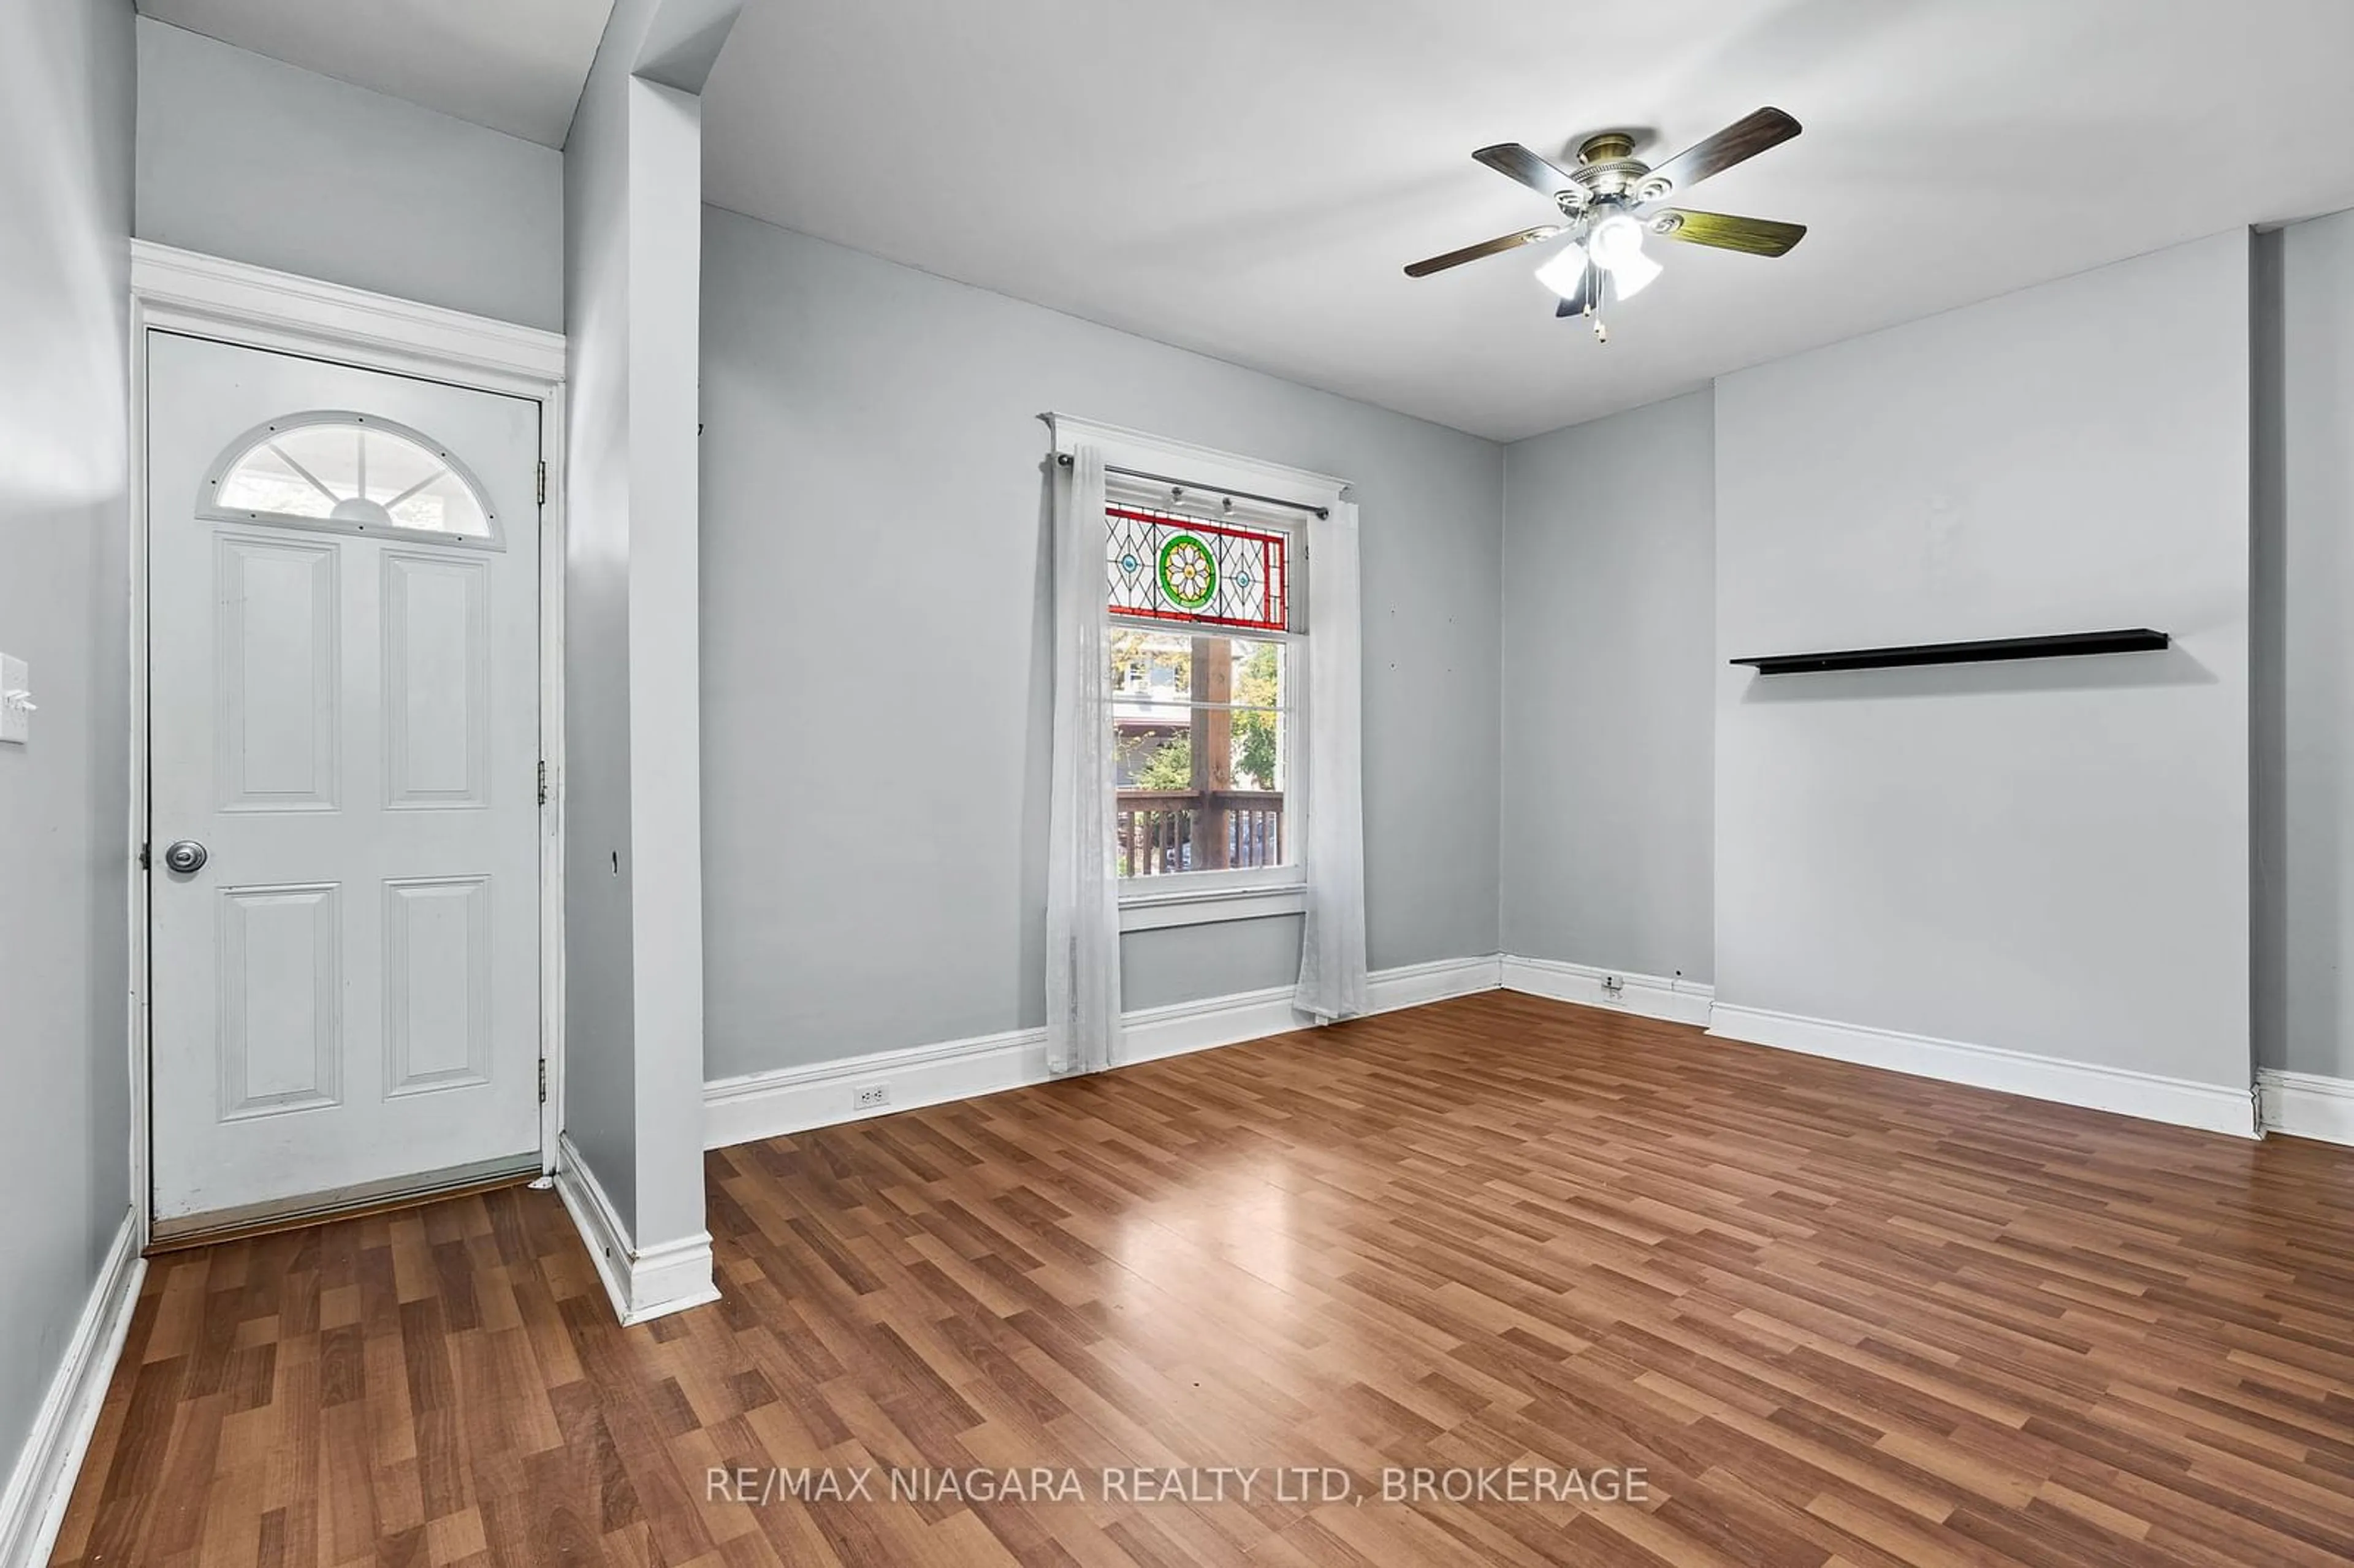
(1201, 696)
(1163, 567)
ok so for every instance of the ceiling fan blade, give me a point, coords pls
(1751, 236)
(1744, 139)
(1515, 162)
(1495, 247)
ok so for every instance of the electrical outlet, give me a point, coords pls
(1613, 987)
(873, 1097)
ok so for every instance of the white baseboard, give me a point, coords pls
(2306, 1105)
(34, 1506)
(795, 1099)
(1650, 996)
(2216, 1107)
(643, 1282)
(1148, 1034)
(1412, 985)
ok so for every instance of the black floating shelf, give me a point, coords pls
(1986, 651)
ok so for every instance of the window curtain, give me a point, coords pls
(1333, 947)
(1082, 897)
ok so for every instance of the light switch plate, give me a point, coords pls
(15, 721)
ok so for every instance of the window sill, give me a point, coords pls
(1157, 910)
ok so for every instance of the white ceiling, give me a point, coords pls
(1247, 177)
(515, 66)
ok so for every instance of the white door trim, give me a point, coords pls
(230, 301)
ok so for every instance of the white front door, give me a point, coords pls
(344, 731)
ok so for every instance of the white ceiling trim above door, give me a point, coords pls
(187, 292)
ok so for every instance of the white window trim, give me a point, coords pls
(1159, 910)
(1252, 893)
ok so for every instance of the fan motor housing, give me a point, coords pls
(1607, 166)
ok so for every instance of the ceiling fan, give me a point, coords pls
(1611, 200)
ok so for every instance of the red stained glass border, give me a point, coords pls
(1274, 574)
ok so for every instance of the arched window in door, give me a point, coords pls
(350, 473)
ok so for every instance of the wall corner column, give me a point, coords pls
(631, 1162)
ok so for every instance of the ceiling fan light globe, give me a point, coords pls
(1633, 274)
(1564, 274)
(1618, 240)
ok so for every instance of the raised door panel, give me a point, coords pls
(276, 643)
(281, 992)
(437, 675)
(437, 983)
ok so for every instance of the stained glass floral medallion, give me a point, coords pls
(1162, 567)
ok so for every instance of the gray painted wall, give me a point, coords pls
(249, 158)
(66, 115)
(875, 641)
(1602, 592)
(1609, 682)
(2305, 449)
(600, 1042)
(2050, 857)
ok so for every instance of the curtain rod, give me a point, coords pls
(1063, 460)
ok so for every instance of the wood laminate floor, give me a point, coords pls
(1836, 1317)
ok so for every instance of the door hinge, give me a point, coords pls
(543, 782)
(542, 1080)
(543, 484)
(144, 863)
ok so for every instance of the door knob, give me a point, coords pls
(186, 856)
